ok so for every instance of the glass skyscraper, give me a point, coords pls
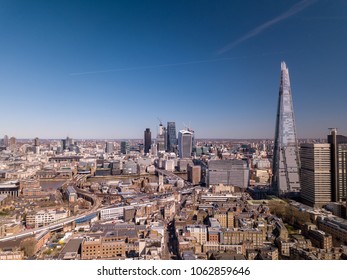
(338, 165)
(185, 143)
(171, 136)
(147, 140)
(286, 162)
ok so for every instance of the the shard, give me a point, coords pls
(286, 160)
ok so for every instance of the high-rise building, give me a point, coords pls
(161, 138)
(154, 149)
(66, 143)
(193, 138)
(286, 161)
(171, 137)
(185, 143)
(338, 165)
(12, 141)
(6, 141)
(63, 144)
(124, 147)
(147, 140)
(315, 178)
(109, 148)
(36, 142)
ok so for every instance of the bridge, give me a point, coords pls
(168, 174)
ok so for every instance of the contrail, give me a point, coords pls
(261, 28)
(155, 66)
(173, 64)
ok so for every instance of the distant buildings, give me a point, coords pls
(161, 138)
(9, 188)
(109, 149)
(31, 188)
(124, 147)
(69, 144)
(6, 141)
(171, 136)
(36, 142)
(147, 140)
(185, 143)
(66, 143)
(286, 161)
(129, 168)
(12, 141)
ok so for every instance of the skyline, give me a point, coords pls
(109, 70)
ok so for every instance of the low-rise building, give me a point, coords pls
(199, 232)
(111, 213)
(108, 246)
(11, 255)
(238, 236)
(45, 217)
(337, 227)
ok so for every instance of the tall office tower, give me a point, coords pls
(165, 138)
(286, 161)
(161, 138)
(12, 141)
(124, 147)
(154, 149)
(147, 140)
(36, 145)
(109, 149)
(69, 142)
(63, 144)
(36, 142)
(171, 137)
(6, 141)
(338, 165)
(193, 139)
(185, 143)
(315, 177)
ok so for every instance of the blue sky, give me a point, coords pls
(109, 69)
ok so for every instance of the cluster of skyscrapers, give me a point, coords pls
(167, 140)
(317, 172)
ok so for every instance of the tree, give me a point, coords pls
(278, 208)
(28, 245)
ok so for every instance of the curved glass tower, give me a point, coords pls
(286, 161)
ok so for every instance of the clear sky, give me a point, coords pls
(109, 69)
